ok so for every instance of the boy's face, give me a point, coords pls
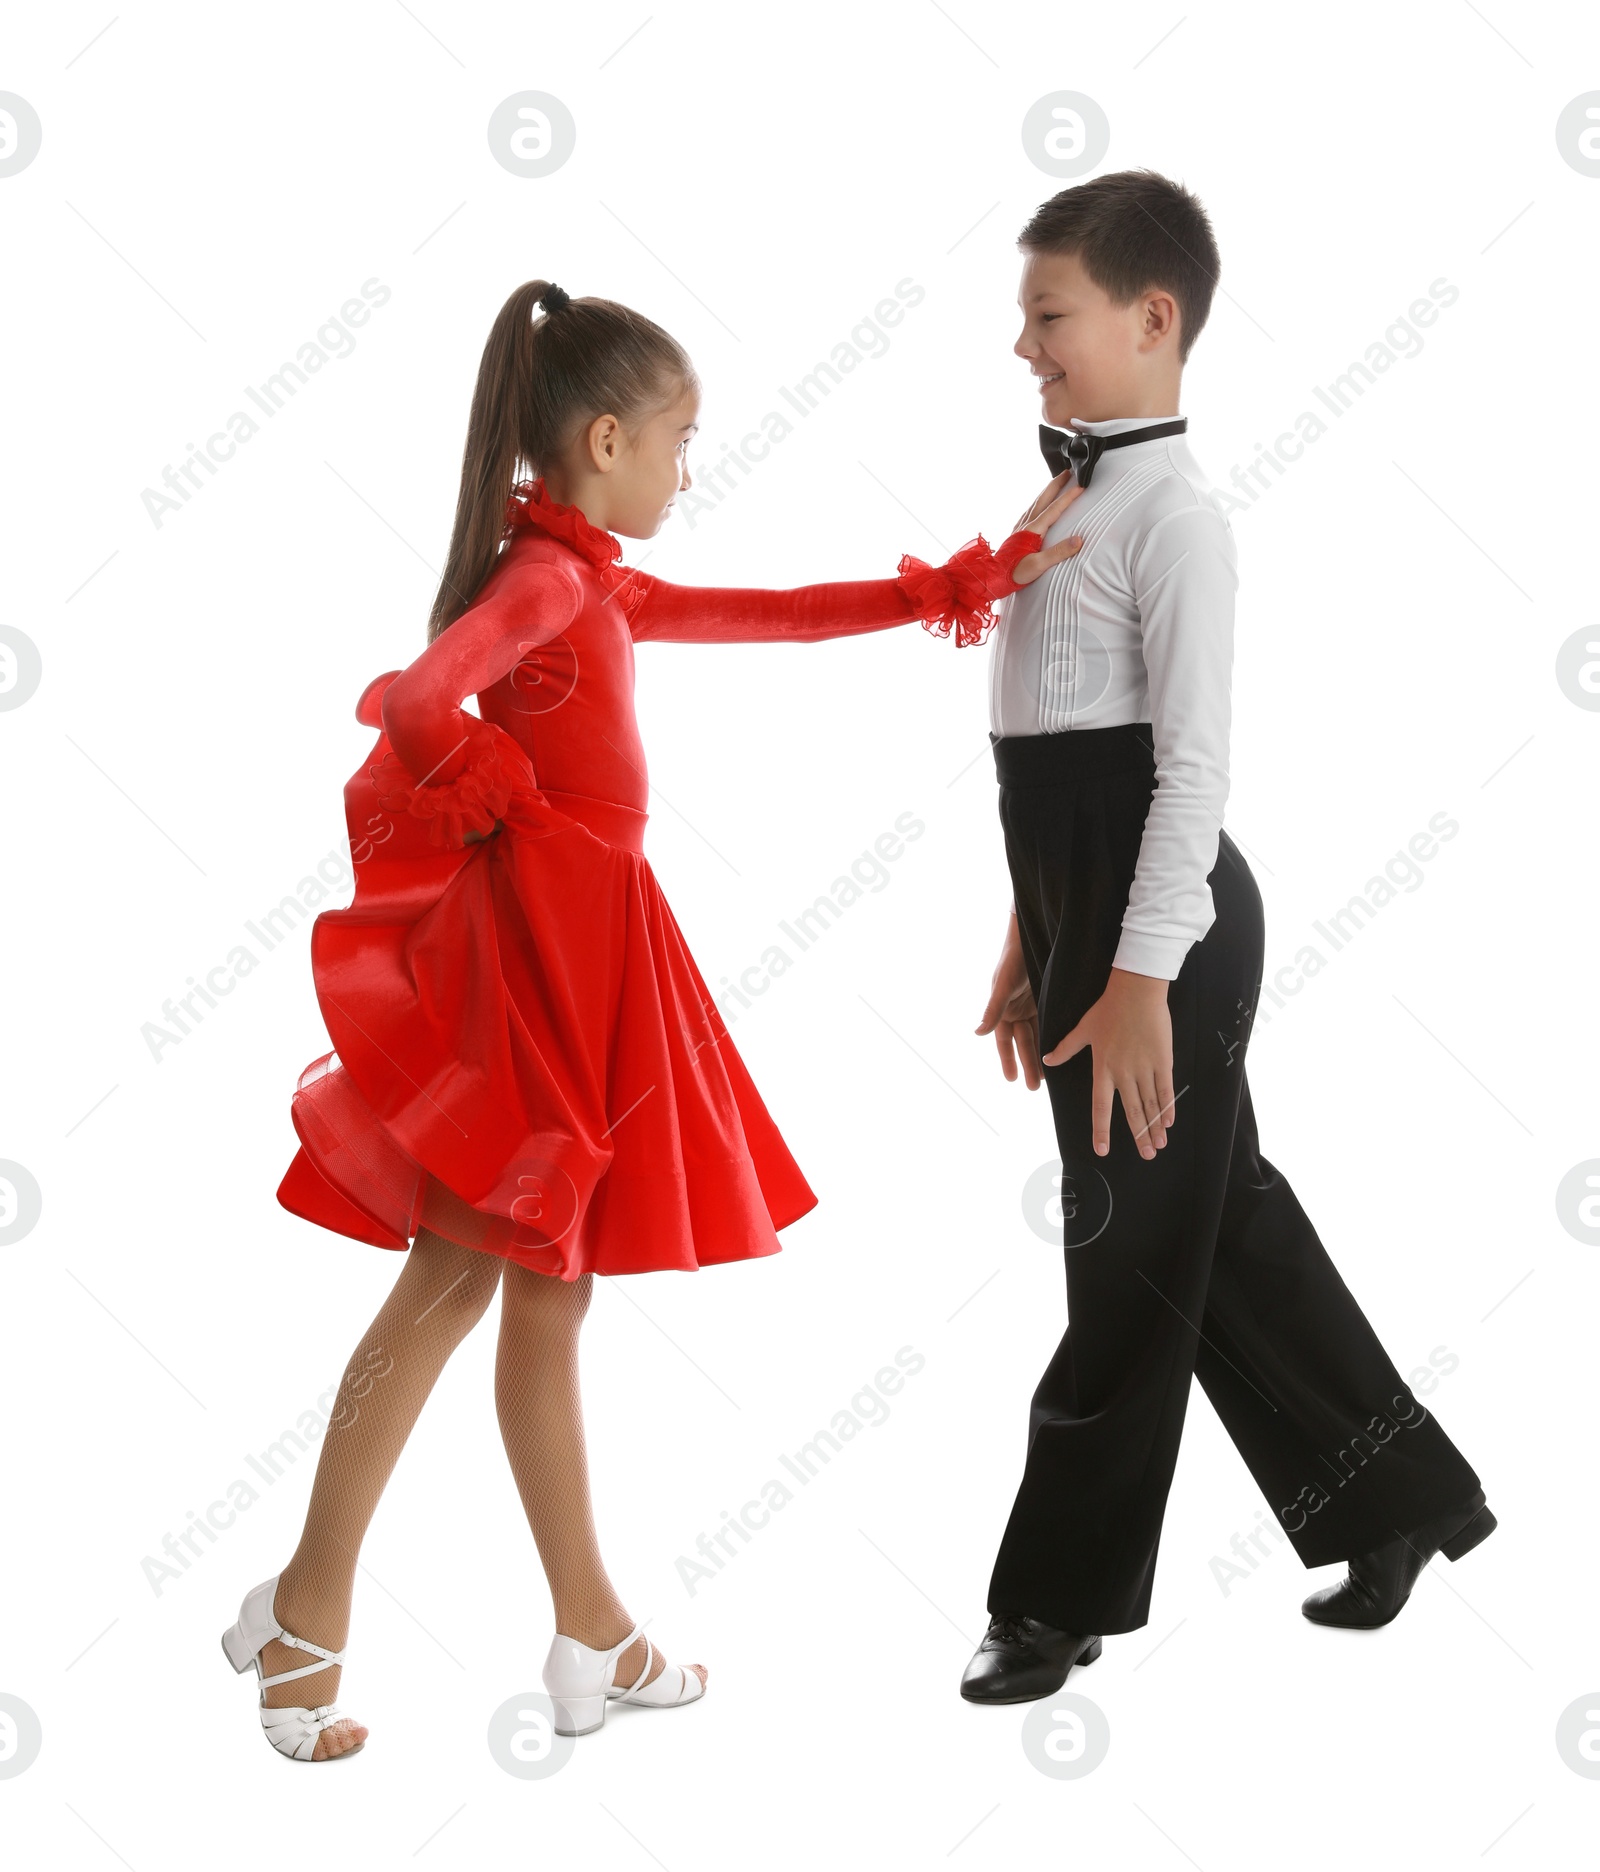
(1095, 360)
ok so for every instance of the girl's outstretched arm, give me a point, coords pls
(958, 594)
(524, 606)
(738, 614)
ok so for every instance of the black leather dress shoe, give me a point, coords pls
(1021, 1660)
(1379, 1583)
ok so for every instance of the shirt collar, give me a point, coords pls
(1117, 424)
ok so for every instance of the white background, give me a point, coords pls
(213, 184)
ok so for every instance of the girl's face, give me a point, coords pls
(645, 472)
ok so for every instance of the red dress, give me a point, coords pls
(527, 1058)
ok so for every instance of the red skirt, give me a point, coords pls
(527, 1059)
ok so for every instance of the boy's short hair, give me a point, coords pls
(1135, 230)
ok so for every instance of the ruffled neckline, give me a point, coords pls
(530, 505)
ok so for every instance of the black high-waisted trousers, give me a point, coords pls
(1198, 1260)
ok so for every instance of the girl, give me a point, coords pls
(531, 1076)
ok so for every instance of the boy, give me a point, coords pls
(1134, 956)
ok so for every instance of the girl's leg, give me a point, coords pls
(541, 1421)
(440, 1296)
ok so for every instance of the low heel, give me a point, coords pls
(237, 1648)
(1479, 1528)
(579, 1715)
(1091, 1654)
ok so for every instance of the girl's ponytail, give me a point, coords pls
(489, 461)
(539, 381)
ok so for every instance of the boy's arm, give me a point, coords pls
(1184, 583)
(1183, 578)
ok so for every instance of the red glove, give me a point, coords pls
(474, 801)
(962, 591)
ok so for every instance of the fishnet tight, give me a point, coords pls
(441, 1294)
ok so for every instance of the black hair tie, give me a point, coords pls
(554, 299)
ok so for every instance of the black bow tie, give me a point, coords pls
(1077, 449)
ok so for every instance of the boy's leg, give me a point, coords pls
(1079, 1550)
(1205, 1238)
(1345, 1454)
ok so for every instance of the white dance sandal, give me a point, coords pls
(581, 1682)
(291, 1730)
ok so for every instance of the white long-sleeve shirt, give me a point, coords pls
(1138, 627)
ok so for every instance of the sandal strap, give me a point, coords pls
(617, 1649)
(293, 1729)
(635, 1691)
(638, 1682)
(305, 1670)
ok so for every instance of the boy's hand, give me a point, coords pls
(1011, 1014)
(1040, 517)
(1129, 1030)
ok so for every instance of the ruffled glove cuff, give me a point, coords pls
(960, 594)
(473, 802)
